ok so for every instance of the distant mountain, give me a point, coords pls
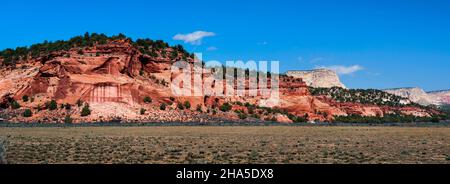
(419, 96)
(442, 97)
(319, 78)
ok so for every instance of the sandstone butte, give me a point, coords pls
(115, 77)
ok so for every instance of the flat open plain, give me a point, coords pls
(227, 144)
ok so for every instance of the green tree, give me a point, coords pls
(225, 107)
(187, 104)
(86, 111)
(52, 105)
(15, 104)
(180, 106)
(242, 116)
(25, 98)
(162, 107)
(27, 113)
(199, 108)
(147, 99)
(68, 106)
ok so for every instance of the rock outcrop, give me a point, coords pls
(418, 95)
(440, 97)
(114, 77)
(323, 78)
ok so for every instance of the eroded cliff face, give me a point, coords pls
(114, 78)
(440, 97)
(419, 96)
(319, 78)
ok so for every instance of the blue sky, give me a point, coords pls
(372, 43)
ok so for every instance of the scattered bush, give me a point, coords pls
(79, 103)
(68, 119)
(199, 108)
(25, 98)
(27, 113)
(15, 104)
(162, 107)
(86, 111)
(147, 99)
(142, 111)
(180, 106)
(225, 107)
(187, 104)
(242, 116)
(52, 105)
(68, 106)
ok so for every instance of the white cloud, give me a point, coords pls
(194, 38)
(212, 48)
(343, 70)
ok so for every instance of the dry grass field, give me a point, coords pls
(228, 144)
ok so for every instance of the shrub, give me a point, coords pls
(180, 106)
(86, 111)
(68, 119)
(172, 99)
(68, 106)
(199, 108)
(142, 111)
(79, 103)
(25, 98)
(242, 116)
(52, 105)
(225, 107)
(31, 99)
(147, 99)
(15, 104)
(162, 107)
(187, 104)
(27, 113)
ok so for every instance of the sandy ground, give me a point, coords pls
(185, 144)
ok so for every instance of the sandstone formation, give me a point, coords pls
(419, 96)
(440, 97)
(322, 78)
(114, 78)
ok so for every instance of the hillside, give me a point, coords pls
(418, 95)
(319, 78)
(96, 78)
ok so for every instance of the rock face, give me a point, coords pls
(323, 78)
(419, 96)
(113, 78)
(441, 97)
(416, 95)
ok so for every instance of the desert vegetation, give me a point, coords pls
(153, 48)
(230, 144)
(364, 96)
